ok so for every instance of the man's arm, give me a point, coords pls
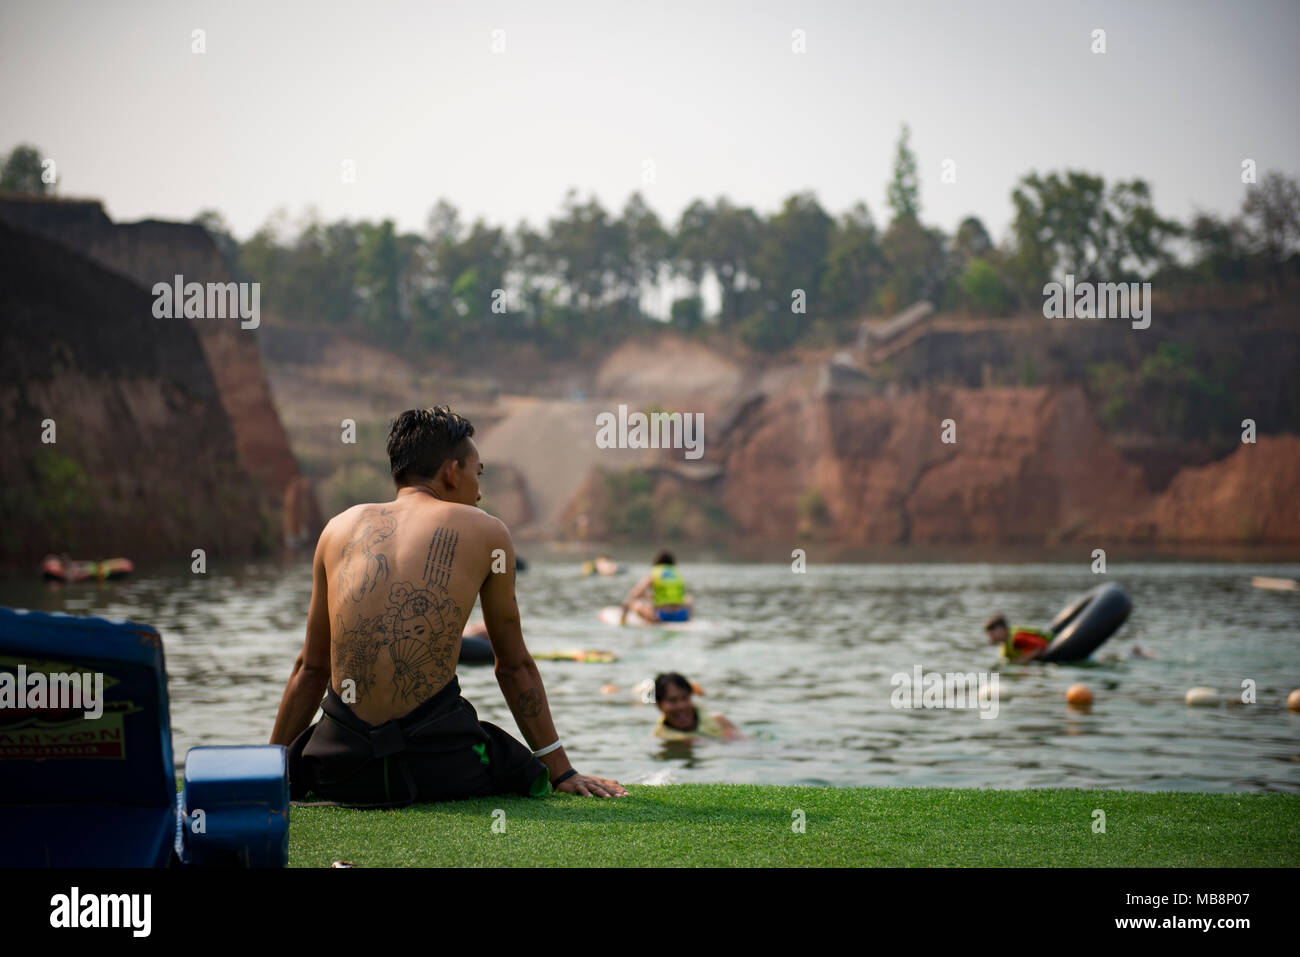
(519, 679)
(732, 732)
(640, 588)
(311, 671)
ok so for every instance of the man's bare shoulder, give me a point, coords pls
(346, 520)
(348, 517)
(472, 518)
(491, 524)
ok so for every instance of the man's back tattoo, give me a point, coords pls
(442, 550)
(364, 566)
(418, 628)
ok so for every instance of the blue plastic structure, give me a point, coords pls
(84, 786)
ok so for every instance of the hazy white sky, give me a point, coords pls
(585, 93)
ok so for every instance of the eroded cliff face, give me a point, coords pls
(1251, 497)
(144, 460)
(149, 252)
(1026, 465)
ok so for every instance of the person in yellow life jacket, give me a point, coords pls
(1021, 643)
(680, 720)
(661, 595)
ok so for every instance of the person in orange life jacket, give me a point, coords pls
(1019, 644)
(661, 595)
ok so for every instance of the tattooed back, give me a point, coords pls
(402, 578)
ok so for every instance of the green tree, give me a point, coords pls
(1271, 216)
(216, 226)
(970, 242)
(854, 265)
(983, 288)
(1071, 224)
(792, 254)
(21, 172)
(379, 274)
(688, 313)
(731, 245)
(583, 247)
(690, 243)
(264, 259)
(1222, 248)
(916, 264)
(904, 194)
(647, 251)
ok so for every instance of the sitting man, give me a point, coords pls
(660, 596)
(1022, 644)
(392, 586)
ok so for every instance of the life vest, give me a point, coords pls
(1024, 638)
(706, 725)
(668, 586)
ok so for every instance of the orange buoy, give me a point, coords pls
(1293, 700)
(1078, 695)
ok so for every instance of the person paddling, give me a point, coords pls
(660, 596)
(392, 586)
(1023, 643)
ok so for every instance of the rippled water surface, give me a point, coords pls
(803, 663)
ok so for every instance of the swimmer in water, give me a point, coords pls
(1019, 645)
(660, 596)
(680, 719)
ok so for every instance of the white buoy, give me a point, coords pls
(1202, 697)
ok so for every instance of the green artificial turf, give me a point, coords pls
(724, 825)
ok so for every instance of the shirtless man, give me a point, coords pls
(392, 587)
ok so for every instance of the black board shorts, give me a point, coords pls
(439, 751)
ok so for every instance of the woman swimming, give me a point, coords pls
(680, 719)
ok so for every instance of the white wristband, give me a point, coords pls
(549, 748)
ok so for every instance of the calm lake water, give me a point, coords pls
(803, 664)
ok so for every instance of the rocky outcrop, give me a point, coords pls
(152, 251)
(1026, 465)
(1250, 498)
(793, 453)
(143, 461)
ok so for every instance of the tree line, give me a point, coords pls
(588, 270)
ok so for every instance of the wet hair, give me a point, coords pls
(420, 440)
(994, 621)
(664, 558)
(665, 681)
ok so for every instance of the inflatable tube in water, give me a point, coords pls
(54, 568)
(1081, 627)
(476, 651)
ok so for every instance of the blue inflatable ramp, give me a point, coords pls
(236, 807)
(86, 763)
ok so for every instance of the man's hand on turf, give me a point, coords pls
(592, 787)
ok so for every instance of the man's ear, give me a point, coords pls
(450, 473)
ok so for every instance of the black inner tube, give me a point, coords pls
(1083, 625)
(476, 651)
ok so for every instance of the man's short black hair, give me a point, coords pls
(995, 621)
(420, 440)
(664, 558)
(665, 681)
